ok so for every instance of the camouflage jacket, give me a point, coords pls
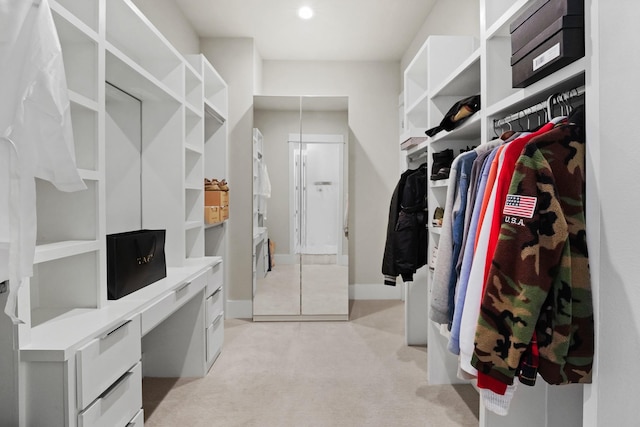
(539, 277)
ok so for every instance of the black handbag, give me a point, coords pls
(457, 114)
(135, 259)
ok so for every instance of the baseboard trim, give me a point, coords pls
(301, 318)
(361, 291)
(239, 309)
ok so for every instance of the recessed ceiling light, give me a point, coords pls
(305, 12)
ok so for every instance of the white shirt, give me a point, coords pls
(36, 138)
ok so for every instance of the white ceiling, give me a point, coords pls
(341, 30)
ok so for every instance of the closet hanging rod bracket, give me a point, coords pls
(545, 105)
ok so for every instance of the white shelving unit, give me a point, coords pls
(57, 365)
(260, 232)
(445, 70)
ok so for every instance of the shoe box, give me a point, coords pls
(546, 37)
(212, 214)
(216, 198)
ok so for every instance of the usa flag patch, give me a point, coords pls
(523, 206)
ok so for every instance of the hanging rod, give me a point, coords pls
(547, 105)
(417, 156)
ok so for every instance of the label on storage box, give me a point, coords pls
(549, 55)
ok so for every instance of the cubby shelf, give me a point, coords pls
(182, 137)
(443, 71)
(57, 250)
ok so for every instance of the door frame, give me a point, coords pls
(316, 139)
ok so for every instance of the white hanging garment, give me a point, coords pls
(264, 190)
(36, 138)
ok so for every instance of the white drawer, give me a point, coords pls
(214, 306)
(164, 307)
(215, 338)
(118, 405)
(138, 420)
(216, 278)
(103, 360)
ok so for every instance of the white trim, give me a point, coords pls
(359, 291)
(286, 259)
(301, 318)
(317, 138)
(239, 309)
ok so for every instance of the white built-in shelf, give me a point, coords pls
(413, 133)
(440, 183)
(566, 78)
(419, 150)
(194, 186)
(420, 105)
(469, 130)
(126, 74)
(192, 148)
(464, 80)
(212, 111)
(89, 175)
(193, 89)
(62, 12)
(132, 34)
(83, 101)
(192, 109)
(214, 225)
(499, 15)
(85, 12)
(57, 250)
(191, 225)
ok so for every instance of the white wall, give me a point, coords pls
(372, 88)
(233, 58)
(613, 195)
(459, 17)
(169, 19)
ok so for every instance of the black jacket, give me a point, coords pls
(406, 247)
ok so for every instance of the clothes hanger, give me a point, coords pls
(550, 107)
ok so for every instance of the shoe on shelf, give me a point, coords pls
(211, 185)
(223, 185)
(441, 166)
(438, 214)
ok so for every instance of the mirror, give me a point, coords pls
(300, 210)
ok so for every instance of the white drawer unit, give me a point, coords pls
(214, 306)
(163, 308)
(215, 338)
(215, 278)
(118, 405)
(138, 420)
(105, 359)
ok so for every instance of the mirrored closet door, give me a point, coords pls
(300, 210)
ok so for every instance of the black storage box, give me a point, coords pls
(541, 15)
(135, 259)
(545, 39)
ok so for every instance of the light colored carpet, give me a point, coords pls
(314, 374)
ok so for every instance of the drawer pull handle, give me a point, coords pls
(123, 324)
(217, 319)
(115, 385)
(183, 287)
(216, 292)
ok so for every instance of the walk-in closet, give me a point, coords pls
(308, 213)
